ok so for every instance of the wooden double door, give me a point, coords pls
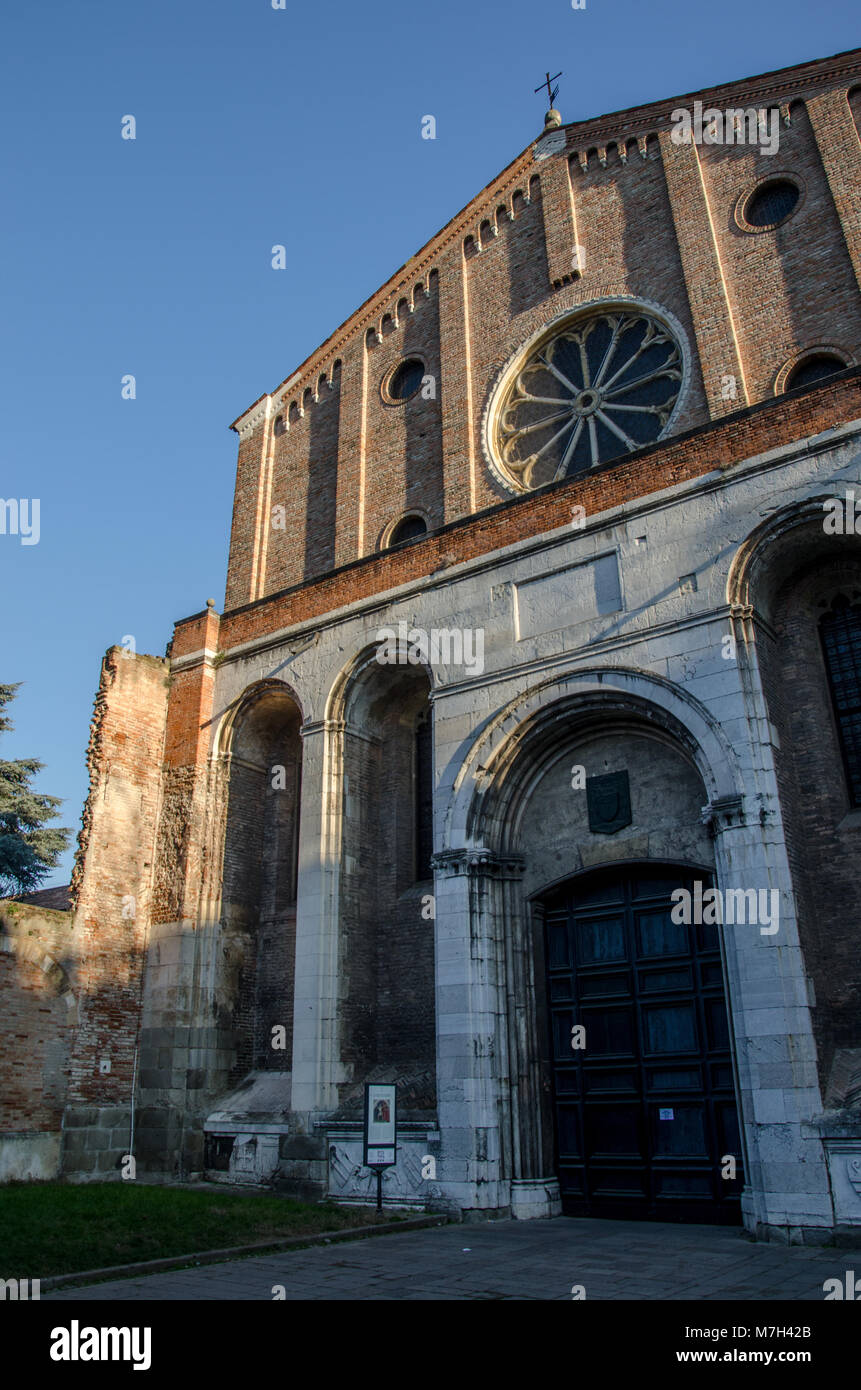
(644, 1098)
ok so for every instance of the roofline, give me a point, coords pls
(590, 127)
(753, 78)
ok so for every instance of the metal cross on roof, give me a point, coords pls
(552, 94)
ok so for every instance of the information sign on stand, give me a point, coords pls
(381, 1131)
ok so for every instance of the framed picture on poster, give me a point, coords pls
(380, 1125)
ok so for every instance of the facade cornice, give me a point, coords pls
(716, 478)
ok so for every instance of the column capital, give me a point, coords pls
(724, 813)
(321, 726)
(478, 861)
(335, 726)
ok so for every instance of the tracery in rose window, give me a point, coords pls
(604, 385)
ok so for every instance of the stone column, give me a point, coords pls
(534, 1182)
(474, 1032)
(315, 1013)
(786, 1194)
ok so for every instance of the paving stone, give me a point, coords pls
(517, 1261)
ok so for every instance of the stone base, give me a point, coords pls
(844, 1167)
(411, 1182)
(793, 1235)
(535, 1198)
(95, 1142)
(244, 1157)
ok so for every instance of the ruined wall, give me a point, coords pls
(113, 883)
(37, 1020)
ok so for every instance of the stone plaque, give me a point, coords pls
(608, 798)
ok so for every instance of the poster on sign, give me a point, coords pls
(380, 1125)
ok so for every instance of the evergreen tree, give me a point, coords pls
(27, 849)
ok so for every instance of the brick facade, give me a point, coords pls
(653, 219)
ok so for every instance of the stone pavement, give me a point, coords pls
(510, 1260)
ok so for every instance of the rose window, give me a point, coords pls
(598, 387)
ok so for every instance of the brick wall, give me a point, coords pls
(792, 287)
(37, 986)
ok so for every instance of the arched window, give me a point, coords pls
(408, 529)
(424, 797)
(840, 630)
(813, 368)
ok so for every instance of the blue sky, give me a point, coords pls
(255, 126)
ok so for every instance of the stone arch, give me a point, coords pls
(471, 788)
(783, 542)
(259, 747)
(377, 718)
(237, 713)
(782, 583)
(57, 980)
(513, 827)
(354, 679)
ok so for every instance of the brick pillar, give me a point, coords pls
(708, 296)
(458, 448)
(560, 220)
(350, 539)
(248, 530)
(840, 151)
(179, 1036)
(186, 764)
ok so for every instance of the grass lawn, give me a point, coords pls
(60, 1228)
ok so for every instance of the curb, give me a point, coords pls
(211, 1257)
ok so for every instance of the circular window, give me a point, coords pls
(770, 203)
(603, 384)
(408, 529)
(813, 368)
(405, 380)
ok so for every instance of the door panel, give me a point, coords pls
(645, 1112)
